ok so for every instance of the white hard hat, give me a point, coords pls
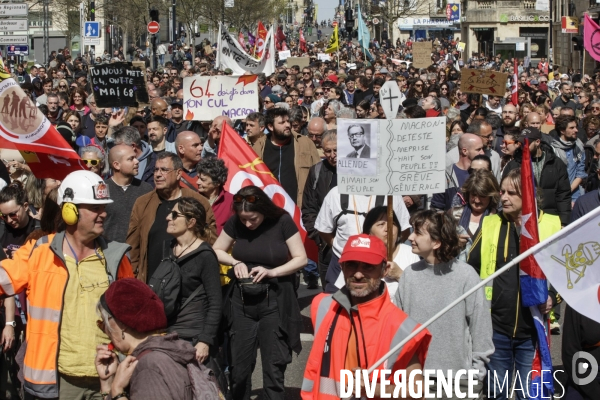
(83, 187)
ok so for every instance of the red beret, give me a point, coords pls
(134, 304)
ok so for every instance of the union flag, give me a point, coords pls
(246, 168)
(23, 127)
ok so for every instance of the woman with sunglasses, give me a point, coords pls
(93, 157)
(261, 307)
(510, 145)
(17, 223)
(416, 90)
(198, 322)
(444, 91)
(63, 86)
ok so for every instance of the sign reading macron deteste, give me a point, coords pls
(208, 97)
(391, 157)
(118, 85)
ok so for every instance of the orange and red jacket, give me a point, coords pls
(378, 324)
(40, 269)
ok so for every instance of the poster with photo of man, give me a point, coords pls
(357, 145)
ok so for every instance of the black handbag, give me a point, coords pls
(249, 288)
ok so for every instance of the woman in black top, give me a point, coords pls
(262, 307)
(199, 320)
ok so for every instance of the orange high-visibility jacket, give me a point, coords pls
(379, 325)
(42, 271)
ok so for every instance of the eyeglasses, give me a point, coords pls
(305, 73)
(12, 215)
(319, 93)
(267, 102)
(314, 135)
(250, 198)
(578, 87)
(163, 170)
(418, 84)
(91, 162)
(507, 142)
(62, 86)
(174, 215)
(596, 108)
(358, 133)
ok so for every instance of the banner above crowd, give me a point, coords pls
(231, 55)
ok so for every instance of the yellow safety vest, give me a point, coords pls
(490, 234)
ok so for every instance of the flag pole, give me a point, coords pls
(558, 235)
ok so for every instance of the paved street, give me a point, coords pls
(295, 371)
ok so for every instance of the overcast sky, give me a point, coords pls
(326, 8)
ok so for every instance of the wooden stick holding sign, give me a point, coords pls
(389, 98)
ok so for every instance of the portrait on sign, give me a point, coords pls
(357, 145)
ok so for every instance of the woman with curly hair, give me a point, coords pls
(416, 89)
(432, 283)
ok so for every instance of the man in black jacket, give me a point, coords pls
(550, 176)
(321, 178)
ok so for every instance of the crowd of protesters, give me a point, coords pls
(156, 192)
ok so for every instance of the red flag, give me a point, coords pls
(515, 85)
(261, 40)
(529, 217)
(241, 40)
(23, 127)
(591, 41)
(280, 38)
(302, 42)
(246, 168)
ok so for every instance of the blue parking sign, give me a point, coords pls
(91, 29)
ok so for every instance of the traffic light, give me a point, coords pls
(154, 14)
(349, 20)
(92, 11)
(578, 43)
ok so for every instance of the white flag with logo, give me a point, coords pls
(572, 265)
(231, 55)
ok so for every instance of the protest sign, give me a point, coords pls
(323, 57)
(284, 55)
(483, 82)
(118, 85)
(208, 97)
(461, 46)
(391, 157)
(389, 97)
(421, 54)
(301, 62)
(231, 55)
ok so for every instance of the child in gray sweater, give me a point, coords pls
(462, 338)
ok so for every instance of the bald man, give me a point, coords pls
(469, 146)
(211, 146)
(509, 119)
(316, 128)
(189, 149)
(124, 189)
(535, 120)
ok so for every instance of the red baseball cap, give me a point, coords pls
(366, 248)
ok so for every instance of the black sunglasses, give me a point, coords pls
(250, 198)
(174, 215)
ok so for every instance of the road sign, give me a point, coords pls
(13, 10)
(334, 23)
(11, 25)
(14, 39)
(153, 27)
(17, 50)
(91, 29)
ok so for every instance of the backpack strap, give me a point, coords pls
(166, 254)
(195, 293)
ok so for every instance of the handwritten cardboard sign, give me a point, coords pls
(302, 62)
(284, 55)
(421, 54)
(208, 97)
(118, 85)
(404, 156)
(482, 82)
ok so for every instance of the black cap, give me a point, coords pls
(531, 134)
(177, 102)
(410, 102)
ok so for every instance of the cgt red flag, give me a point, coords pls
(246, 168)
(280, 39)
(23, 127)
(302, 42)
(261, 40)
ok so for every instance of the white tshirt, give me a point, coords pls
(351, 224)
